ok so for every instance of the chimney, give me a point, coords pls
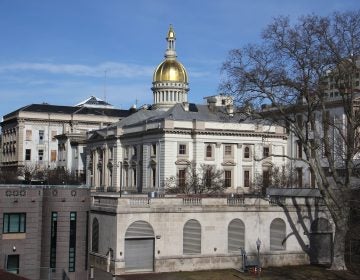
(230, 110)
(211, 103)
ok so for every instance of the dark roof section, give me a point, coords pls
(46, 108)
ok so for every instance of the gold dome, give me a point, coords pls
(170, 70)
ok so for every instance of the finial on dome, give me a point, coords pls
(171, 33)
(170, 51)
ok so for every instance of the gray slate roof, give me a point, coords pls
(177, 112)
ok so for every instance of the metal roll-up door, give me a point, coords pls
(277, 235)
(139, 254)
(139, 247)
(192, 237)
(236, 235)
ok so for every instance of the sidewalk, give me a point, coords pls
(271, 273)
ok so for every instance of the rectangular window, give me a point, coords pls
(182, 178)
(299, 177)
(53, 134)
(266, 152)
(182, 149)
(135, 152)
(41, 136)
(134, 176)
(28, 135)
(53, 155)
(53, 237)
(247, 152)
(246, 178)
(228, 151)
(208, 151)
(299, 149)
(153, 149)
(153, 176)
(72, 242)
(41, 155)
(14, 223)
(13, 263)
(28, 154)
(227, 178)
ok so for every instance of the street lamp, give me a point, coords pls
(258, 244)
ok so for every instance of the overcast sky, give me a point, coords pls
(58, 51)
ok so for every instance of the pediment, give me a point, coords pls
(182, 162)
(228, 163)
(97, 136)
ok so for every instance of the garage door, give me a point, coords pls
(139, 254)
(139, 247)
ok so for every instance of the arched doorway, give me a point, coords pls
(139, 247)
(321, 242)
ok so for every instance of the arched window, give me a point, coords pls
(277, 235)
(95, 236)
(247, 152)
(236, 236)
(208, 151)
(192, 237)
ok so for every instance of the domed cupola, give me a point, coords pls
(170, 80)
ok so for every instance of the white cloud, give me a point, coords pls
(113, 69)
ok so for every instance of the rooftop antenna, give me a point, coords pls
(136, 102)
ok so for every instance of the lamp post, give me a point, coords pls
(258, 244)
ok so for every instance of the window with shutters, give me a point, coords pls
(95, 236)
(236, 236)
(277, 235)
(192, 238)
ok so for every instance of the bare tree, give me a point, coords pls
(295, 77)
(203, 179)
